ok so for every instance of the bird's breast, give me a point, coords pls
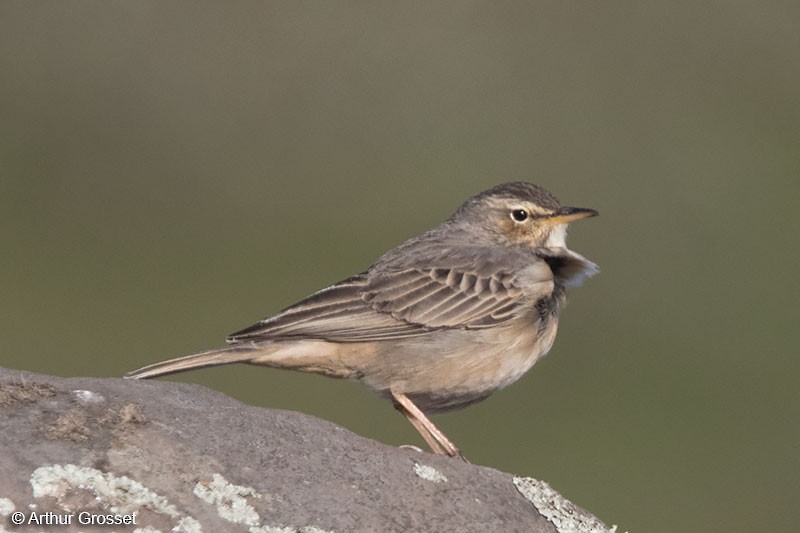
(452, 369)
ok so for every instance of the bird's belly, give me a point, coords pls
(452, 369)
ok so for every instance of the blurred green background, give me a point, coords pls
(173, 171)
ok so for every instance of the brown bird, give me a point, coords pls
(437, 323)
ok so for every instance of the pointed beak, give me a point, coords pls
(570, 214)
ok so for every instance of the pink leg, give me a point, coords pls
(437, 440)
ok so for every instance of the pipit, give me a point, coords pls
(437, 323)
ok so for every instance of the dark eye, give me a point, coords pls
(520, 215)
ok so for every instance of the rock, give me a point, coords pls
(178, 457)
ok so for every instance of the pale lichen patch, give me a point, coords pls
(273, 529)
(429, 473)
(230, 500)
(232, 505)
(187, 524)
(119, 494)
(88, 397)
(562, 513)
(6, 507)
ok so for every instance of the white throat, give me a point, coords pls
(576, 268)
(557, 237)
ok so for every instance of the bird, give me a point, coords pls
(437, 323)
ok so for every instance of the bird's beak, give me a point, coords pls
(570, 214)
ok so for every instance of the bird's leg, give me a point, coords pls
(437, 440)
(432, 442)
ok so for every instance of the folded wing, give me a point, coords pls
(405, 303)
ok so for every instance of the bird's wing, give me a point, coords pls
(337, 313)
(454, 297)
(405, 303)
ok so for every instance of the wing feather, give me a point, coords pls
(393, 304)
(336, 313)
(449, 297)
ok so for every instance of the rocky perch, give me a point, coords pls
(178, 457)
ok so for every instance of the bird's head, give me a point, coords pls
(520, 213)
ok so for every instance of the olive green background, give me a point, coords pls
(173, 171)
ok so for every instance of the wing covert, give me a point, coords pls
(446, 297)
(395, 304)
(337, 313)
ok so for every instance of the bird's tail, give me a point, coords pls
(315, 356)
(238, 353)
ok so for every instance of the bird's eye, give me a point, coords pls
(520, 215)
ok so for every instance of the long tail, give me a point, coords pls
(308, 355)
(237, 353)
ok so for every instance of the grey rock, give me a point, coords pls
(181, 457)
